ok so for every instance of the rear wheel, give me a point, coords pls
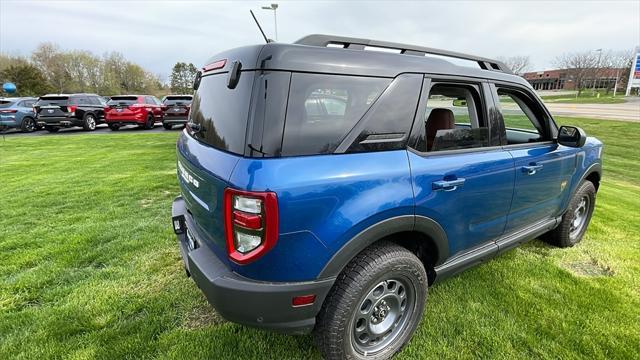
(148, 125)
(167, 126)
(89, 122)
(375, 305)
(51, 129)
(28, 125)
(576, 219)
(114, 127)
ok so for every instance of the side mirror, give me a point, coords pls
(571, 136)
(460, 102)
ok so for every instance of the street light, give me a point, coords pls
(273, 7)
(595, 73)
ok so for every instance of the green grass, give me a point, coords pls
(586, 97)
(89, 267)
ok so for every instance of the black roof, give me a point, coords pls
(321, 54)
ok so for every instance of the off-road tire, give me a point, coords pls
(335, 330)
(565, 235)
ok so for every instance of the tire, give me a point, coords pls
(89, 122)
(576, 219)
(366, 301)
(28, 125)
(167, 126)
(52, 129)
(114, 127)
(148, 125)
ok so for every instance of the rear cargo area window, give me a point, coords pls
(322, 109)
(222, 113)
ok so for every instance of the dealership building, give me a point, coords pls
(562, 79)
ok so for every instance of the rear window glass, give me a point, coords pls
(177, 100)
(122, 100)
(53, 100)
(5, 103)
(323, 108)
(222, 113)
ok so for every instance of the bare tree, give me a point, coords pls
(579, 65)
(620, 61)
(518, 64)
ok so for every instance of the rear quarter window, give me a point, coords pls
(221, 112)
(323, 108)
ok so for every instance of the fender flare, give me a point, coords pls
(382, 229)
(593, 168)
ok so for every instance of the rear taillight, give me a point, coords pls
(250, 223)
(71, 109)
(8, 111)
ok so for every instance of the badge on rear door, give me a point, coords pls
(184, 174)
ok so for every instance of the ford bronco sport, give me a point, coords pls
(326, 184)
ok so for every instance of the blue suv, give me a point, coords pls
(326, 184)
(18, 113)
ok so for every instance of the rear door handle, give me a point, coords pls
(531, 169)
(447, 185)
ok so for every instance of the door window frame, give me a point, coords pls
(535, 105)
(487, 105)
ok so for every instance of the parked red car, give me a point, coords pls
(141, 110)
(176, 110)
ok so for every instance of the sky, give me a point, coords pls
(157, 34)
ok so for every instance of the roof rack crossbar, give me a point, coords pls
(360, 44)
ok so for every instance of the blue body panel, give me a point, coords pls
(14, 120)
(326, 200)
(475, 212)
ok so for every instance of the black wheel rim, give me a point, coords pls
(29, 125)
(382, 315)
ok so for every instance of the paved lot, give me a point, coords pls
(629, 111)
(100, 130)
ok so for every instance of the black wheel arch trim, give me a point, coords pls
(382, 229)
(593, 168)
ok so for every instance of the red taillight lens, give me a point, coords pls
(8, 111)
(71, 108)
(251, 224)
(215, 65)
(303, 300)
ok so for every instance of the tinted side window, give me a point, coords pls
(221, 112)
(322, 109)
(454, 119)
(387, 124)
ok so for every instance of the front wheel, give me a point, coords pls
(375, 305)
(28, 125)
(576, 219)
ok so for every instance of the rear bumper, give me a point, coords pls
(254, 303)
(58, 121)
(174, 120)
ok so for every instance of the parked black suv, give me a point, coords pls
(176, 110)
(54, 111)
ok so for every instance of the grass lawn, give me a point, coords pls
(586, 97)
(89, 267)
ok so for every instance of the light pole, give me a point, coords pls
(273, 7)
(595, 73)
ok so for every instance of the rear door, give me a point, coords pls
(52, 106)
(543, 167)
(462, 177)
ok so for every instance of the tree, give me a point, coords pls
(620, 61)
(579, 65)
(182, 77)
(51, 61)
(518, 64)
(28, 79)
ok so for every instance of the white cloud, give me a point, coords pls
(158, 34)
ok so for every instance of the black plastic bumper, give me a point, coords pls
(260, 304)
(58, 121)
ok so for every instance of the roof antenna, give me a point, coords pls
(260, 27)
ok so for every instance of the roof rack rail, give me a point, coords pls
(360, 44)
